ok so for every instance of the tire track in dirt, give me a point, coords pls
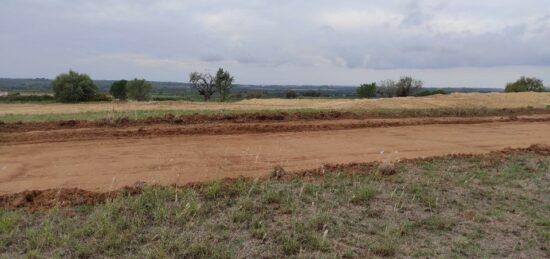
(234, 128)
(109, 164)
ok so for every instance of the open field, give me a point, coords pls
(310, 178)
(455, 100)
(495, 205)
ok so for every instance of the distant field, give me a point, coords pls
(27, 112)
(457, 100)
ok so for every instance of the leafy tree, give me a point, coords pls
(204, 83)
(525, 84)
(118, 89)
(291, 94)
(139, 89)
(73, 87)
(367, 91)
(224, 83)
(408, 86)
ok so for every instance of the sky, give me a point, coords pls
(452, 43)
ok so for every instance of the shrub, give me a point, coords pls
(118, 90)
(139, 90)
(17, 97)
(367, 90)
(254, 95)
(74, 87)
(291, 95)
(525, 84)
(312, 93)
(428, 92)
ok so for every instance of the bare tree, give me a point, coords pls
(408, 86)
(387, 88)
(224, 83)
(204, 83)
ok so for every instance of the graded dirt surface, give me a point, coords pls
(112, 162)
(455, 100)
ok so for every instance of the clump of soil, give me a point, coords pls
(278, 172)
(387, 168)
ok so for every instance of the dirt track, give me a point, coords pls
(109, 163)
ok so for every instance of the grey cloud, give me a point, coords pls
(45, 36)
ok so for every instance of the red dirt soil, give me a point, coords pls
(45, 199)
(107, 159)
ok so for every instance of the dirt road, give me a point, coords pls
(108, 164)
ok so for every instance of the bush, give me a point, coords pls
(428, 92)
(73, 87)
(312, 93)
(525, 84)
(367, 91)
(254, 95)
(139, 90)
(17, 97)
(291, 95)
(118, 90)
(102, 97)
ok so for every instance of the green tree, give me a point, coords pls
(224, 83)
(139, 89)
(204, 83)
(525, 84)
(73, 87)
(367, 91)
(118, 89)
(408, 86)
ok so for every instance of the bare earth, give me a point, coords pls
(108, 164)
(455, 100)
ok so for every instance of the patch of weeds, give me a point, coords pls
(212, 190)
(320, 222)
(9, 221)
(314, 242)
(363, 194)
(310, 189)
(274, 197)
(204, 249)
(289, 245)
(468, 248)
(424, 193)
(437, 222)
(385, 246)
(242, 216)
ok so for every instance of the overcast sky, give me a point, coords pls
(445, 43)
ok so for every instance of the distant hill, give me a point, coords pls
(43, 85)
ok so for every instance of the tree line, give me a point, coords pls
(408, 86)
(75, 87)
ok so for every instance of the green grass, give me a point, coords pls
(478, 206)
(143, 114)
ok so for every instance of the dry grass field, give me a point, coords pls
(456, 100)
